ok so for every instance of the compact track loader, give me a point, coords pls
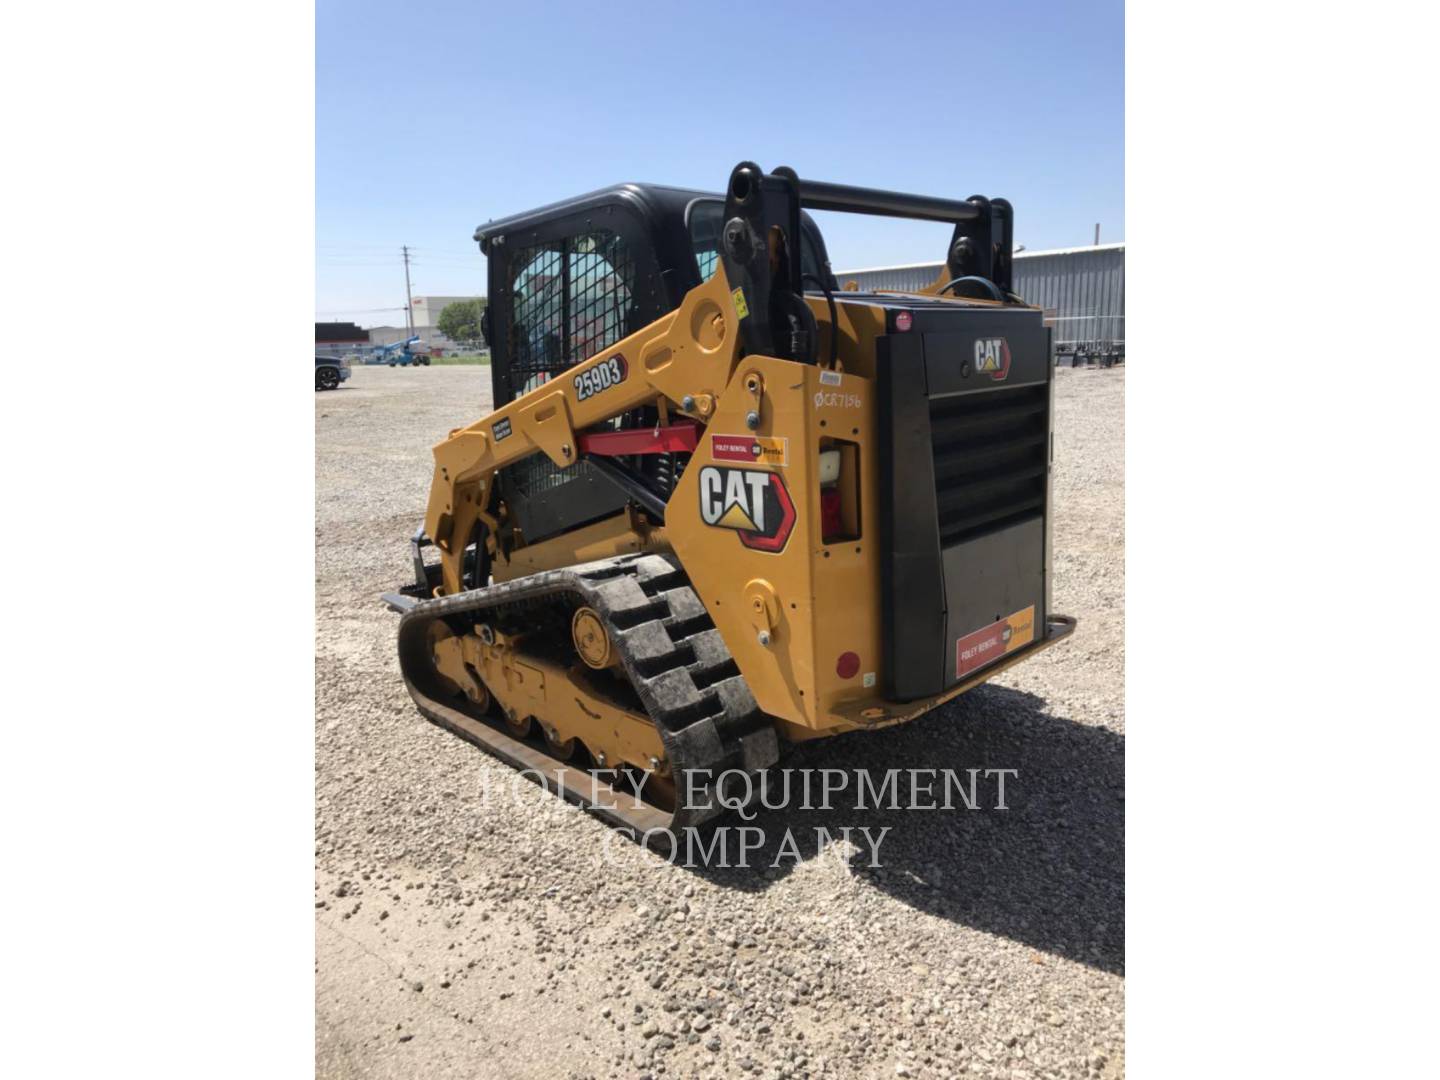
(723, 503)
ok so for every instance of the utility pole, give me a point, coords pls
(409, 304)
(1097, 234)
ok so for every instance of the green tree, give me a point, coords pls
(460, 321)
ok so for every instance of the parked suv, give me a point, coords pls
(330, 373)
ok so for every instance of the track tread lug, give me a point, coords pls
(684, 605)
(646, 643)
(709, 646)
(650, 569)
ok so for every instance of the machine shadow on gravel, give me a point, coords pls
(1048, 872)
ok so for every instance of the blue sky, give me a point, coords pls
(433, 117)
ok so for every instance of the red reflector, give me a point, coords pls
(848, 666)
(903, 321)
(830, 523)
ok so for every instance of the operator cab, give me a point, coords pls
(569, 280)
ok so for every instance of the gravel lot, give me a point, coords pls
(470, 926)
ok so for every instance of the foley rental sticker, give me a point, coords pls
(978, 648)
(751, 449)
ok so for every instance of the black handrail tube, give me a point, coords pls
(818, 195)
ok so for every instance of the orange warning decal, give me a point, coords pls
(980, 647)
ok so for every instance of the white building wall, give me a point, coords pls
(386, 335)
(425, 314)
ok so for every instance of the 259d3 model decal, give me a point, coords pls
(602, 376)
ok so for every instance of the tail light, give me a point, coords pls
(831, 519)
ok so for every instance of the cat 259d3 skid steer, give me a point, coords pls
(723, 503)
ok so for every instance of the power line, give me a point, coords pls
(409, 303)
(358, 310)
(415, 249)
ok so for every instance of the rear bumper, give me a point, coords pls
(875, 713)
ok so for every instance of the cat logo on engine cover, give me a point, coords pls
(756, 504)
(992, 357)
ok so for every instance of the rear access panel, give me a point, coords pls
(994, 596)
(965, 447)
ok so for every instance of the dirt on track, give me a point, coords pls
(468, 924)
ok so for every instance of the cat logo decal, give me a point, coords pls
(992, 357)
(755, 503)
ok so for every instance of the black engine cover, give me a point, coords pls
(965, 458)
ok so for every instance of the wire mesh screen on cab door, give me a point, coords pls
(572, 299)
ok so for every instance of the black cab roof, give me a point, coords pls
(650, 200)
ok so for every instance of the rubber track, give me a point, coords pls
(673, 655)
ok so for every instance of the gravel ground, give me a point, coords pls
(470, 926)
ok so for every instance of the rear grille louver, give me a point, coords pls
(990, 454)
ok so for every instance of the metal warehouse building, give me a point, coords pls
(1082, 291)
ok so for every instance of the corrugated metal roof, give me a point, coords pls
(935, 264)
(1081, 290)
